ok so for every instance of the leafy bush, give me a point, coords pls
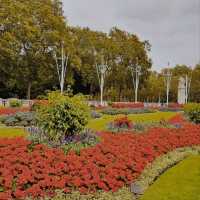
(19, 119)
(63, 116)
(115, 111)
(192, 110)
(15, 103)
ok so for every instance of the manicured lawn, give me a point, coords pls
(181, 182)
(11, 132)
(100, 124)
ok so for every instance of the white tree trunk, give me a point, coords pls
(102, 88)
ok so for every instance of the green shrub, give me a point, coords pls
(63, 116)
(192, 110)
(15, 103)
(19, 119)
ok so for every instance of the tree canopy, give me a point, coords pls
(32, 33)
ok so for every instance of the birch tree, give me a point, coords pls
(136, 73)
(101, 69)
(61, 67)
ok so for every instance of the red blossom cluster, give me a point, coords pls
(127, 105)
(175, 105)
(10, 111)
(123, 122)
(117, 161)
(177, 119)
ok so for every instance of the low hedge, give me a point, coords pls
(126, 111)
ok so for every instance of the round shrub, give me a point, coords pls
(63, 116)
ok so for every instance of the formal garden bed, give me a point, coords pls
(117, 157)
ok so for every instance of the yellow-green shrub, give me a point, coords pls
(192, 110)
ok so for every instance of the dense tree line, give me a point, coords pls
(32, 33)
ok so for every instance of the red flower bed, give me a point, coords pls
(116, 161)
(123, 122)
(10, 111)
(127, 105)
(175, 105)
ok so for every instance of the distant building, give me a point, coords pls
(182, 91)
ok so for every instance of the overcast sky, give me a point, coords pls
(171, 26)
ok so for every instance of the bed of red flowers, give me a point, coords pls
(127, 105)
(10, 111)
(175, 105)
(123, 122)
(117, 161)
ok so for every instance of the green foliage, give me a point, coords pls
(32, 29)
(19, 119)
(192, 110)
(63, 116)
(15, 103)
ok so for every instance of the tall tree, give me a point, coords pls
(27, 32)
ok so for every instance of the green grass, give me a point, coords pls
(6, 132)
(181, 182)
(100, 124)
